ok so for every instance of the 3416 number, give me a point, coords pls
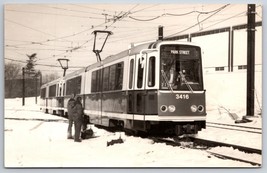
(182, 96)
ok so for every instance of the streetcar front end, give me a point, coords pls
(181, 95)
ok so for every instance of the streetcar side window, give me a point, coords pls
(63, 93)
(105, 79)
(119, 76)
(140, 74)
(94, 81)
(99, 80)
(60, 90)
(112, 77)
(116, 77)
(43, 91)
(131, 74)
(74, 86)
(52, 91)
(151, 71)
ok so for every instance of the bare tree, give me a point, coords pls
(12, 75)
(12, 70)
(49, 77)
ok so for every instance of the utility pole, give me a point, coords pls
(36, 79)
(23, 86)
(250, 59)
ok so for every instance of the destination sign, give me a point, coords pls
(180, 52)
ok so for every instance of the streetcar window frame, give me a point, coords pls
(74, 85)
(119, 76)
(43, 92)
(140, 74)
(63, 92)
(151, 71)
(105, 79)
(93, 81)
(112, 78)
(96, 81)
(195, 57)
(52, 90)
(131, 73)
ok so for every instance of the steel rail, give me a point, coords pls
(256, 128)
(219, 127)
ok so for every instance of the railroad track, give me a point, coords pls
(225, 156)
(231, 157)
(209, 143)
(234, 127)
(203, 144)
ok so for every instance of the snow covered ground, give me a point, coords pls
(29, 142)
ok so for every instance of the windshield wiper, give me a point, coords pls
(166, 80)
(185, 81)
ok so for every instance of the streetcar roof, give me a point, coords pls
(73, 74)
(51, 82)
(135, 49)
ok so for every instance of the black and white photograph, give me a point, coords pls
(133, 85)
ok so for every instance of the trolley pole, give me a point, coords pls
(23, 86)
(250, 59)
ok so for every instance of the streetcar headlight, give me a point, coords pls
(200, 108)
(163, 108)
(193, 108)
(172, 108)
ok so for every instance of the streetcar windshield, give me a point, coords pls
(181, 67)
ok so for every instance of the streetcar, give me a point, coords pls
(154, 88)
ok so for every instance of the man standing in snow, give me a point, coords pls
(70, 106)
(78, 119)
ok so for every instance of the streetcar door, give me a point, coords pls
(140, 92)
(60, 99)
(99, 96)
(131, 82)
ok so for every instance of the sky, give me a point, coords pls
(64, 30)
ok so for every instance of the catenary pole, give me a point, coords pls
(23, 86)
(250, 59)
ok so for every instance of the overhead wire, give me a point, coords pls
(40, 64)
(75, 48)
(182, 14)
(223, 20)
(54, 14)
(71, 35)
(120, 17)
(218, 10)
(84, 6)
(71, 10)
(145, 8)
(37, 30)
(154, 18)
(198, 22)
(116, 18)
